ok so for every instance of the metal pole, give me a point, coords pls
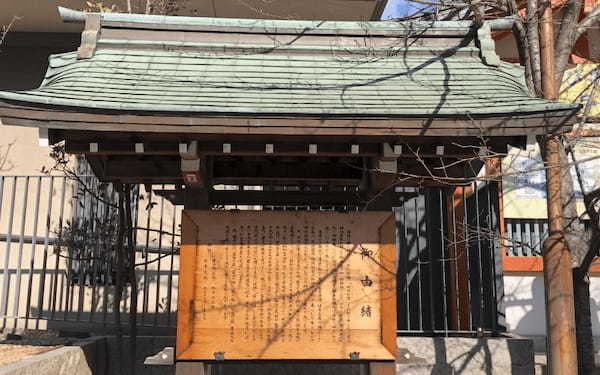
(558, 279)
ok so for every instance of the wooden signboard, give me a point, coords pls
(281, 285)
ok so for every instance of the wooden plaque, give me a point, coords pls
(281, 285)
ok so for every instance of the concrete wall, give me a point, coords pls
(22, 68)
(525, 305)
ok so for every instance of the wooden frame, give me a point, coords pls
(187, 272)
(203, 329)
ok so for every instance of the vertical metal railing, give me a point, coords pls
(46, 284)
(427, 278)
(525, 237)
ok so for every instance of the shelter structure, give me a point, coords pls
(315, 113)
(140, 89)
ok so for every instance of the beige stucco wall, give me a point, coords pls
(20, 152)
(23, 262)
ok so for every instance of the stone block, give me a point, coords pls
(454, 355)
(67, 360)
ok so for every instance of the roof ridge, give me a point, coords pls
(127, 19)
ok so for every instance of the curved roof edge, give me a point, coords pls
(75, 16)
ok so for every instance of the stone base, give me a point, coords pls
(416, 356)
(454, 355)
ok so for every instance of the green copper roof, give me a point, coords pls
(266, 67)
(260, 83)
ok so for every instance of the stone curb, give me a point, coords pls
(68, 360)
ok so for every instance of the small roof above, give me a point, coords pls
(213, 75)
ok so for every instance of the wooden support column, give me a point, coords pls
(196, 175)
(558, 278)
(458, 252)
(382, 176)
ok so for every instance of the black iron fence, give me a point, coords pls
(449, 270)
(58, 270)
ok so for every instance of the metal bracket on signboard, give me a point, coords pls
(165, 357)
(355, 356)
(219, 356)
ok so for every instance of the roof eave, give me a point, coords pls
(500, 125)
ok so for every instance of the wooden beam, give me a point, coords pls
(260, 149)
(496, 143)
(196, 198)
(274, 168)
(287, 198)
(288, 124)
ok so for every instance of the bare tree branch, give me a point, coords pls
(533, 45)
(565, 39)
(6, 29)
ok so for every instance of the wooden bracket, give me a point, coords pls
(189, 151)
(192, 165)
(192, 171)
(43, 137)
(89, 36)
(386, 167)
(388, 161)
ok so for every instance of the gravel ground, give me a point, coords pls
(13, 353)
(13, 348)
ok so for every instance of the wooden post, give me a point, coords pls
(558, 278)
(457, 252)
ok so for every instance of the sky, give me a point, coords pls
(400, 8)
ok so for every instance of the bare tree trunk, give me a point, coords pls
(533, 45)
(132, 280)
(119, 277)
(524, 55)
(578, 241)
(565, 37)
